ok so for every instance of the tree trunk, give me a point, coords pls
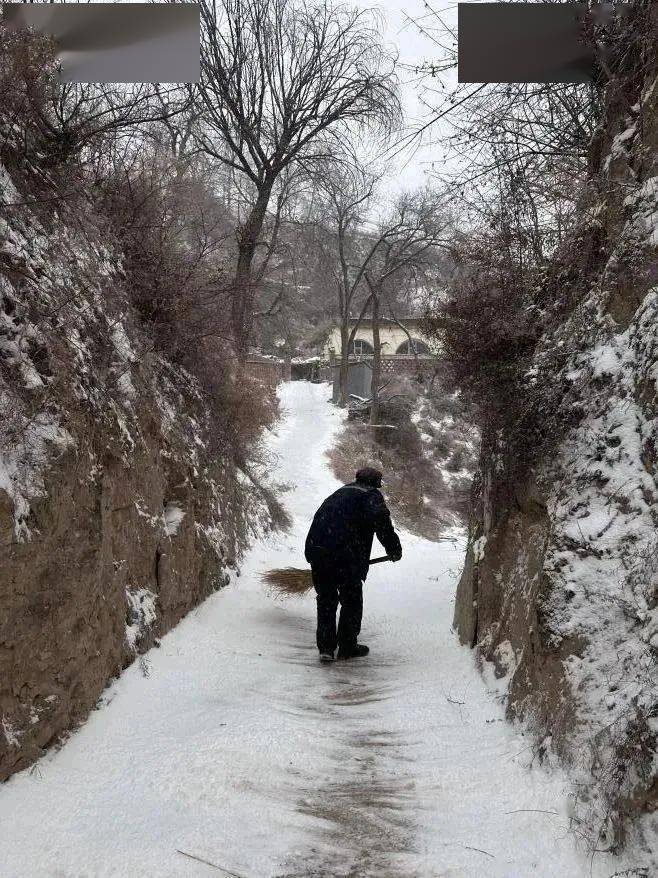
(344, 361)
(376, 362)
(346, 340)
(242, 306)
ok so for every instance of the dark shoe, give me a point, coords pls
(326, 657)
(358, 652)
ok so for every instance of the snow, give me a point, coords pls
(605, 361)
(506, 657)
(173, 515)
(126, 356)
(643, 202)
(155, 521)
(443, 437)
(600, 560)
(15, 338)
(649, 92)
(122, 343)
(126, 435)
(620, 145)
(22, 467)
(603, 524)
(478, 548)
(141, 605)
(12, 735)
(240, 749)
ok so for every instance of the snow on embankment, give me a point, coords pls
(560, 586)
(115, 519)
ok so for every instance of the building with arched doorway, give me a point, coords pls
(394, 340)
(405, 351)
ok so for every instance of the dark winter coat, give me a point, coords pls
(340, 537)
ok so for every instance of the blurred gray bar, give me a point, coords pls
(117, 42)
(524, 42)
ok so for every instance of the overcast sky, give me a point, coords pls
(412, 48)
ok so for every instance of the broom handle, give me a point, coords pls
(379, 560)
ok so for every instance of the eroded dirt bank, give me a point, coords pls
(560, 586)
(117, 512)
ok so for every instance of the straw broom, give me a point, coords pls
(293, 582)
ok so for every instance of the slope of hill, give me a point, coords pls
(126, 492)
(560, 587)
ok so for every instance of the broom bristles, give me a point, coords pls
(288, 581)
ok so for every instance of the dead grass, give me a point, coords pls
(415, 490)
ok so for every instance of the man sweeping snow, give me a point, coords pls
(338, 549)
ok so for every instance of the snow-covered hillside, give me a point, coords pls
(560, 587)
(119, 507)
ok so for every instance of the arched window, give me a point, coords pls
(419, 347)
(360, 347)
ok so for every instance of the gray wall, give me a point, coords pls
(359, 378)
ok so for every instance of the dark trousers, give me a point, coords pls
(330, 591)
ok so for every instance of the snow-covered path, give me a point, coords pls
(240, 749)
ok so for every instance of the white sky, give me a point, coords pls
(413, 48)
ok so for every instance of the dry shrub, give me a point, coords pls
(486, 330)
(157, 217)
(501, 325)
(172, 234)
(34, 145)
(26, 85)
(240, 406)
(491, 327)
(413, 488)
(418, 495)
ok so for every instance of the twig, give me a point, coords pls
(522, 750)
(479, 850)
(454, 700)
(208, 863)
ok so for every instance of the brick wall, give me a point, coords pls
(268, 371)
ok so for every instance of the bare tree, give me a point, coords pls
(407, 245)
(364, 257)
(510, 153)
(284, 82)
(346, 195)
(173, 234)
